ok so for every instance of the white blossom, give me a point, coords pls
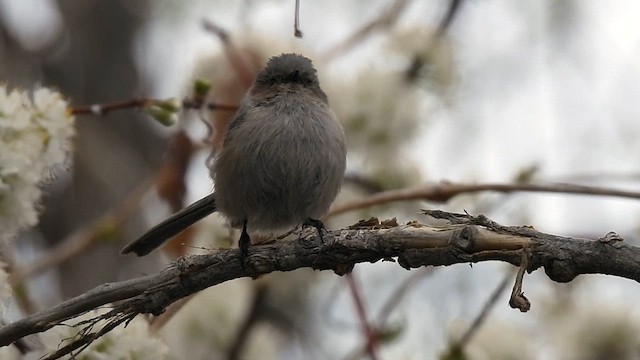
(35, 135)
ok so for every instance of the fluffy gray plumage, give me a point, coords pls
(282, 160)
(283, 157)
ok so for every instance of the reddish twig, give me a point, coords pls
(369, 331)
(234, 57)
(392, 303)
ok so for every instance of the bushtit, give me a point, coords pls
(281, 163)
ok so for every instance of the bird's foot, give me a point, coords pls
(316, 224)
(244, 243)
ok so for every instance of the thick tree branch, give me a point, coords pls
(465, 239)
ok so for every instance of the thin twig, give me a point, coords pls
(296, 23)
(84, 341)
(368, 330)
(445, 23)
(383, 21)
(400, 292)
(234, 57)
(189, 104)
(101, 109)
(158, 322)
(626, 176)
(21, 293)
(443, 191)
(391, 304)
(363, 183)
(250, 321)
(486, 309)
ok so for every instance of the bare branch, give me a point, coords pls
(385, 20)
(443, 191)
(467, 239)
(486, 309)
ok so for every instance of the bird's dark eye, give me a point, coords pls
(293, 77)
(296, 77)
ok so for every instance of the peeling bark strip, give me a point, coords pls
(464, 239)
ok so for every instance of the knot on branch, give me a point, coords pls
(561, 270)
(465, 239)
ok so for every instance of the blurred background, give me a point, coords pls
(483, 91)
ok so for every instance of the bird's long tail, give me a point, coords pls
(171, 226)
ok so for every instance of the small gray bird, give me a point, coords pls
(281, 164)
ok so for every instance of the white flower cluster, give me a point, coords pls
(35, 135)
(129, 342)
